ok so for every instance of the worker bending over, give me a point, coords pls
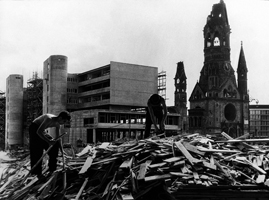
(40, 140)
(156, 111)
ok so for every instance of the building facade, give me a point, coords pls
(110, 102)
(259, 121)
(218, 102)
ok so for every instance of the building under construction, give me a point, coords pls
(106, 103)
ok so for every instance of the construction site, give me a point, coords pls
(215, 149)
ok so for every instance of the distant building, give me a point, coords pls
(218, 102)
(259, 120)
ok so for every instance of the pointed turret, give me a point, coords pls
(242, 73)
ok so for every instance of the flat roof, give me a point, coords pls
(264, 106)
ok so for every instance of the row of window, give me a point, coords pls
(120, 118)
(96, 97)
(72, 90)
(95, 74)
(72, 79)
(259, 112)
(259, 117)
(259, 123)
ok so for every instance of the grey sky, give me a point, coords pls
(159, 33)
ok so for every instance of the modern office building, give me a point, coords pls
(110, 102)
(259, 121)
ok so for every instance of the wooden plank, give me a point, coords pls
(192, 148)
(260, 179)
(87, 164)
(210, 165)
(256, 167)
(179, 174)
(240, 145)
(157, 177)
(245, 140)
(127, 196)
(81, 189)
(142, 171)
(157, 165)
(185, 152)
(179, 163)
(173, 159)
(203, 149)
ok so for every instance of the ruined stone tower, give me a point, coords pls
(218, 102)
(181, 95)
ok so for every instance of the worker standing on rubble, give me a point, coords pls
(40, 140)
(156, 111)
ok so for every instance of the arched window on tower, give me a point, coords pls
(216, 42)
(208, 41)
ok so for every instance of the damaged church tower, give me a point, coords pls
(219, 103)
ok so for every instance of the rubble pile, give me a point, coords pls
(137, 169)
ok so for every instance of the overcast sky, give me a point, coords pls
(158, 33)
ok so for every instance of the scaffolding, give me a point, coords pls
(34, 98)
(2, 118)
(162, 84)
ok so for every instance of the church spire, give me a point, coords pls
(242, 72)
(242, 66)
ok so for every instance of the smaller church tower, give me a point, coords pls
(242, 72)
(181, 94)
(242, 79)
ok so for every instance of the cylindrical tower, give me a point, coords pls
(55, 84)
(14, 110)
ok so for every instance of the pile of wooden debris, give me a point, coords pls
(137, 169)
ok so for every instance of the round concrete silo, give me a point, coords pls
(55, 84)
(14, 110)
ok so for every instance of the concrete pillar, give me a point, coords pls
(94, 135)
(54, 85)
(14, 110)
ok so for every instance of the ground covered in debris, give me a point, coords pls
(178, 167)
